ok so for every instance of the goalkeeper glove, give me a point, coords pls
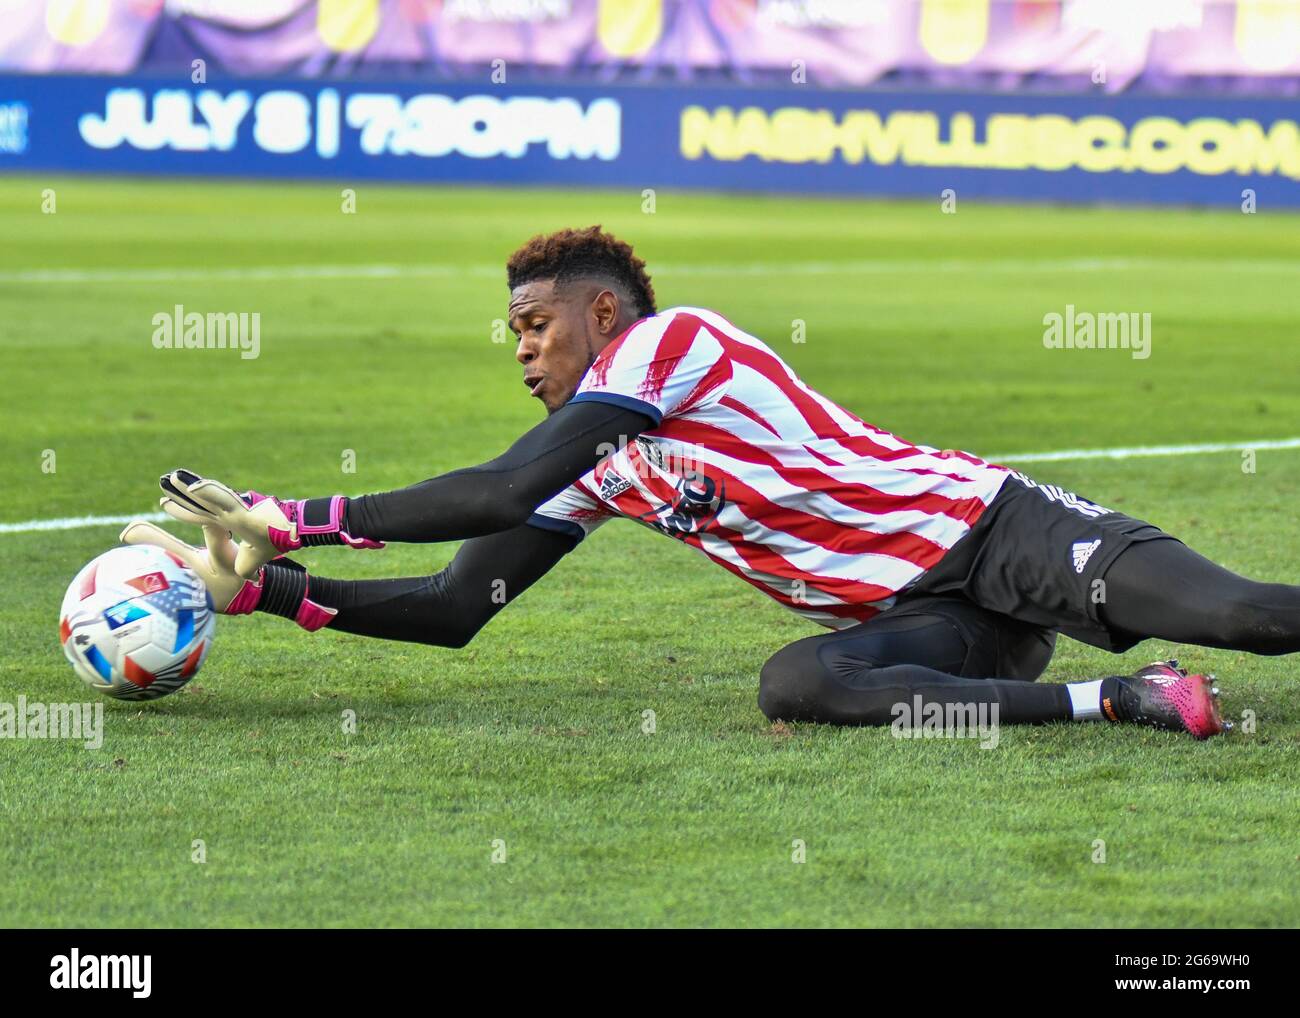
(266, 527)
(280, 589)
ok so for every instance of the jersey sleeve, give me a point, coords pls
(573, 511)
(662, 367)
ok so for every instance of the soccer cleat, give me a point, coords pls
(1165, 696)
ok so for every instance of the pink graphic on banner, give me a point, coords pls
(1087, 45)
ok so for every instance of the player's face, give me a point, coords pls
(560, 334)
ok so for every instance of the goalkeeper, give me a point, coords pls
(941, 576)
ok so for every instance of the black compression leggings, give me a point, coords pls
(1164, 590)
(943, 649)
(950, 651)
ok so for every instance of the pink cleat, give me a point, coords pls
(1165, 696)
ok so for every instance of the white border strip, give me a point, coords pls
(1122, 453)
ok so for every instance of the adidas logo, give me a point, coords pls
(612, 485)
(1082, 551)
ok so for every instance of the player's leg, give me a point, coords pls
(944, 650)
(1163, 589)
(939, 652)
(1049, 557)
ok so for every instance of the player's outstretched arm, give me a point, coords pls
(488, 499)
(503, 492)
(445, 609)
(448, 608)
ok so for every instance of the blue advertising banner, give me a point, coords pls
(800, 140)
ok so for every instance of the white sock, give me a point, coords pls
(1085, 700)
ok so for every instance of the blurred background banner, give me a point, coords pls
(1168, 100)
(1162, 44)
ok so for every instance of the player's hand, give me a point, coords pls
(214, 564)
(266, 527)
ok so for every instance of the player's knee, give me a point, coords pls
(783, 684)
(1025, 656)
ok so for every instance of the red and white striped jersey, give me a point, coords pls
(771, 480)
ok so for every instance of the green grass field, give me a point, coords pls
(927, 324)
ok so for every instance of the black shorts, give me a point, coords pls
(1040, 554)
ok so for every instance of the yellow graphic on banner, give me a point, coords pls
(1206, 146)
(954, 31)
(347, 25)
(1267, 33)
(76, 22)
(627, 28)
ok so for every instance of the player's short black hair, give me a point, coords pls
(580, 254)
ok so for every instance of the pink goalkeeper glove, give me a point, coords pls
(265, 526)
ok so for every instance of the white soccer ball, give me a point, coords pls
(136, 623)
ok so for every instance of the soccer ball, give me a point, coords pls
(136, 623)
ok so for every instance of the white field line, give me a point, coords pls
(76, 522)
(881, 266)
(1139, 451)
(1122, 453)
